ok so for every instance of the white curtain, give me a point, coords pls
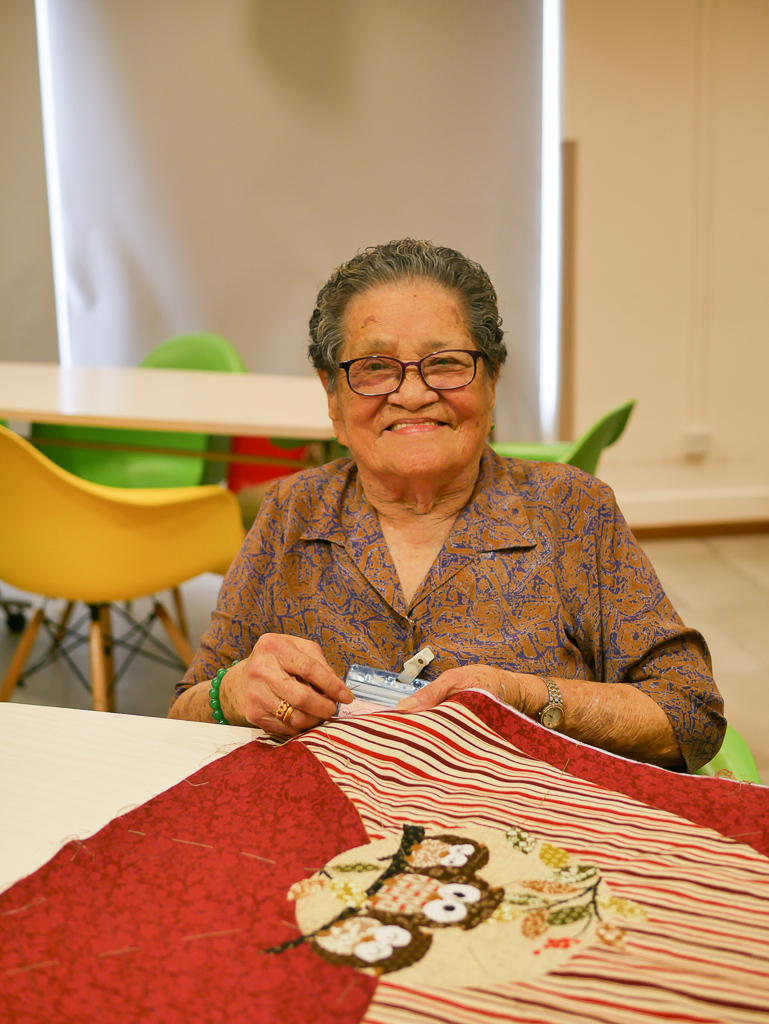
(26, 284)
(218, 158)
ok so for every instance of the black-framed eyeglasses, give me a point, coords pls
(446, 370)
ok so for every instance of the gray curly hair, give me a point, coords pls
(406, 259)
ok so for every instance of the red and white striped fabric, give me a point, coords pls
(693, 891)
(458, 865)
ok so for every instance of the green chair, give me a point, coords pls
(735, 758)
(138, 469)
(584, 452)
(144, 469)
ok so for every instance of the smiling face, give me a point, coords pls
(415, 433)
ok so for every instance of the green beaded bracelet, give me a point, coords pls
(213, 696)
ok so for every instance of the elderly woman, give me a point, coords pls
(522, 577)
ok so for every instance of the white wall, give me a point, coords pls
(27, 311)
(668, 101)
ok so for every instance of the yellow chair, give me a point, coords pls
(117, 468)
(63, 537)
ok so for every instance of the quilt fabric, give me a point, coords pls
(462, 864)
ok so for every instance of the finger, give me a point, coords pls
(432, 694)
(305, 699)
(279, 717)
(304, 660)
(288, 720)
(264, 692)
(272, 686)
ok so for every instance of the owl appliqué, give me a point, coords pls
(428, 883)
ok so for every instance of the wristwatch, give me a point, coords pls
(552, 713)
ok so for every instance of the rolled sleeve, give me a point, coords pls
(645, 643)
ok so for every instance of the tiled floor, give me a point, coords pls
(718, 584)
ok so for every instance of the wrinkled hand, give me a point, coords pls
(283, 667)
(509, 687)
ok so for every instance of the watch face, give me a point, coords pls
(552, 716)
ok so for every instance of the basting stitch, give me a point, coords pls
(210, 935)
(226, 748)
(78, 842)
(255, 856)
(19, 910)
(342, 995)
(33, 967)
(125, 810)
(475, 957)
(548, 791)
(190, 842)
(118, 952)
(218, 752)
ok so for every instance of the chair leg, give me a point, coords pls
(62, 626)
(99, 686)
(105, 620)
(21, 655)
(181, 618)
(183, 648)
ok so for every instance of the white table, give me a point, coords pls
(66, 773)
(245, 404)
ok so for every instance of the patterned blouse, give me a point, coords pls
(540, 574)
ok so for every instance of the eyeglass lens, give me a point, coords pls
(380, 375)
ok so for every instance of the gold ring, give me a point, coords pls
(284, 711)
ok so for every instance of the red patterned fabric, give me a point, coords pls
(164, 914)
(462, 864)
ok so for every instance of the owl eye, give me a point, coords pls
(457, 856)
(453, 859)
(371, 951)
(445, 911)
(392, 934)
(458, 891)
